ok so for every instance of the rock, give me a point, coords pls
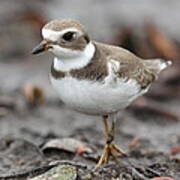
(61, 172)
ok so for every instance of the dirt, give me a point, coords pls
(149, 138)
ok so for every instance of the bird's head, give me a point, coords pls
(65, 38)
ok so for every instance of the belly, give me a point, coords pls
(96, 98)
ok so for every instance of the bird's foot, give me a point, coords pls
(110, 150)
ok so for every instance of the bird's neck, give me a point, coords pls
(77, 62)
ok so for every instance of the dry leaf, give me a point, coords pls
(33, 94)
(162, 178)
(67, 144)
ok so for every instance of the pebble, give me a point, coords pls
(61, 172)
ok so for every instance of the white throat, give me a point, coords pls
(80, 60)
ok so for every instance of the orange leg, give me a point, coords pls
(110, 149)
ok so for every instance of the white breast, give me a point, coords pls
(94, 97)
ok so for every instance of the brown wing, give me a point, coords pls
(138, 72)
(131, 66)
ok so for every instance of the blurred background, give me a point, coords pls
(29, 107)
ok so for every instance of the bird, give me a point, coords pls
(96, 78)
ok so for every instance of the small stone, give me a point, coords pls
(61, 172)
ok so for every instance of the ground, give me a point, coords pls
(148, 130)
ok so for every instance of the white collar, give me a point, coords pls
(79, 61)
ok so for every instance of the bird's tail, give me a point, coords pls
(157, 65)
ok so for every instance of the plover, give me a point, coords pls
(95, 78)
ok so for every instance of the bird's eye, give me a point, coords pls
(68, 36)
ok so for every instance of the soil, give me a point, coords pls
(149, 138)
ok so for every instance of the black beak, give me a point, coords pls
(43, 46)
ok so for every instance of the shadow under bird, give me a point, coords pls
(96, 78)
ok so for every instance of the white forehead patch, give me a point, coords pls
(55, 35)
